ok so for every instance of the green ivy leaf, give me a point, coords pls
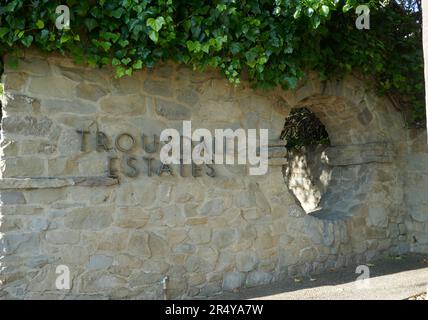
(126, 61)
(138, 64)
(155, 24)
(91, 24)
(346, 8)
(117, 13)
(154, 36)
(120, 72)
(26, 41)
(325, 10)
(40, 24)
(3, 31)
(115, 62)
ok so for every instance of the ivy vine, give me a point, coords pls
(275, 42)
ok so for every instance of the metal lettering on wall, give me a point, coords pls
(121, 156)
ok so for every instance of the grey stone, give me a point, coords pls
(57, 87)
(187, 96)
(171, 110)
(365, 117)
(99, 261)
(62, 237)
(40, 261)
(12, 197)
(194, 264)
(210, 289)
(39, 224)
(50, 106)
(90, 91)
(224, 237)
(421, 237)
(127, 105)
(158, 87)
(185, 248)
(89, 218)
(378, 217)
(34, 183)
(32, 65)
(419, 214)
(86, 74)
(27, 125)
(142, 278)
(245, 199)
(174, 216)
(277, 162)
(258, 278)
(100, 282)
(246, 261)
(200, 234)
(95, 181)
(277, 152)
(15, 81)
(8, 148)
(132, 218)
(20, 243)
(21, 103)
(158, 247)
(233, 280)
(360, 154)
(328, 234)
(214, 207)
(296, 211)
(139, 244)
(23, 167)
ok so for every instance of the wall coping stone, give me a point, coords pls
(46, 182)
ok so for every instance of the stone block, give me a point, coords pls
(214, 207)
(378, 217)
(15, 81)
(223, 238)
(233, 280)
(60, 237)
(27, 125)
(12, 198)
(127, 105)
(99, 261)
(89, 91)
(22, 167)
(200, 234)
(50, 86)
(246, 261)
(171, 110)
(71, 106)
(158, 87)
(21, 103)
(139, 244)
(258, 278)
(89, 218)
(131, 218)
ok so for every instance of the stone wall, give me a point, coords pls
(416, 182)
(121, 236)
(425, 45)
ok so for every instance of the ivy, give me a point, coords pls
(302, 128)
(274, 42)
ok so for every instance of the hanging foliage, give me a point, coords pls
(274, 41)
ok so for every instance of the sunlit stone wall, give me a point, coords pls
(75, 199)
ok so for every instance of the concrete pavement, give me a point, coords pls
(390, 279)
